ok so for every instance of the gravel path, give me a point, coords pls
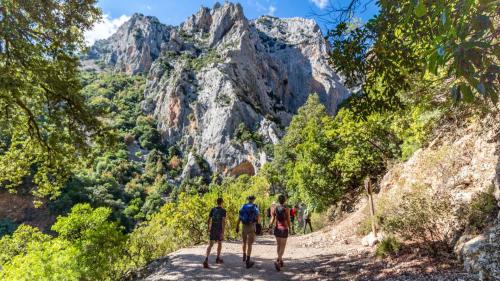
(334, 253)
(309, 257)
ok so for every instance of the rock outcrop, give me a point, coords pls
(218, 72)
(134, 47)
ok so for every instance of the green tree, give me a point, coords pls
(451, 41)
(44, 122)
(99, 242)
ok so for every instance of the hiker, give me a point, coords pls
(216, 225)
(249, 217)
(281, 222)
(300, 215)
(307, 219)
(293, 214)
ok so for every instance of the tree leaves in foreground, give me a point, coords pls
(45, 125)
(456, 42)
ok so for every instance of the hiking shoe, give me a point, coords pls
(244, 257)
(219, 261)
(277, 266)
(282, 264)
(250, 263)
(205, 264)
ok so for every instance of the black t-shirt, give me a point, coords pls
(217, 214)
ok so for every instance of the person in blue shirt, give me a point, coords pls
(249, 216)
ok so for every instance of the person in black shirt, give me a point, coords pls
(216, 225)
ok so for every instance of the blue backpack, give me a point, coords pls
(249, 213)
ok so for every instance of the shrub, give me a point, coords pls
(319, 220)
(128, 139)
(388, 246)
(422, 216)
(481, 210)
(175, 163)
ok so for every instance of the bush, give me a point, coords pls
(388, 246)
(319, 220)
(481, 210)
(128, 139)
(422, 216)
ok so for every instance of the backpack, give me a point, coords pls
(248, 214)
(280, 213)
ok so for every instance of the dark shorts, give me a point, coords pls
(281, 233)
(292, 219)
(216, 235)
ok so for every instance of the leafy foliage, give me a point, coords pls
(422, 216)
(480, 211)
(387, 246)
(447, 39)
(45, 123)
(322, 157)
(88, 248)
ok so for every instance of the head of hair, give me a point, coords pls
(220, 201)
(251, 198)
(282, 199)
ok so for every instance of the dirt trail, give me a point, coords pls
(317, 256)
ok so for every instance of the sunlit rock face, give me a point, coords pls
(218, 70)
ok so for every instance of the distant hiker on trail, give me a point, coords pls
(249, 216)
(216, 226)
(281, 222)
(300, 215)
(307, 219)
(293, 215)
(268, 214)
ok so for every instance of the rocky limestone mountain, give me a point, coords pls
(222, 86)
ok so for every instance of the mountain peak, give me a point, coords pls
(218, 75)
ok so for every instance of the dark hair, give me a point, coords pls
(220, 200)
(282, 199)
(251, 198)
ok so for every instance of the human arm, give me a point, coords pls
(223, 226)
(288, 222)
(273, 219)
(209, 221)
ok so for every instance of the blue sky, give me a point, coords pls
(176, 11)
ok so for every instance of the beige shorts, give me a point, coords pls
(248, 233)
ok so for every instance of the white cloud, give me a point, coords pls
(104, 28)
(148, 7)
(320, 3)
(271, 10)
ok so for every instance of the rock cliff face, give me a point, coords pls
(218, 74)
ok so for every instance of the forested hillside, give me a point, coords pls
(124, 147)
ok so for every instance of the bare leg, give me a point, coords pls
(209, 248)
(249, 246)
(244, 246)
(278, 246)
(219, 248)
(282, 244)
